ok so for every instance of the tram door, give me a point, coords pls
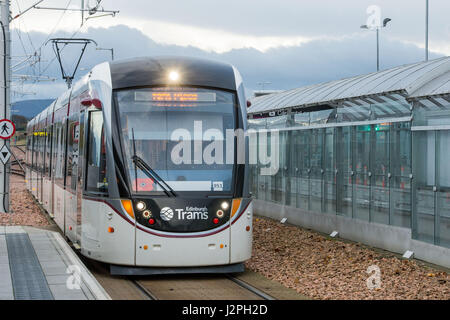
(80, 181)
(74, 174)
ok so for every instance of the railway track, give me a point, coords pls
(174, 287)
(17, 165)
(198, 287)
(17, 172)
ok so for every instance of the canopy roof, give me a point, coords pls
(418, 79)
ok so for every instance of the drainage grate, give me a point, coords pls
(28, 279)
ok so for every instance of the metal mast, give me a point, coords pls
(426, 29)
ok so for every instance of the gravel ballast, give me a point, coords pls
(25, 211)
(321, 267)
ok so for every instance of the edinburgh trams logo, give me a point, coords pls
(166, 214)
(190, 213)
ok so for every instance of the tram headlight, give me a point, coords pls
(140, 205)
(147, 214)
(225, 205)
(219, 213)
(174, 75)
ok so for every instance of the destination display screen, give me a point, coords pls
(175, 96)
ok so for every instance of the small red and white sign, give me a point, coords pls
(7, 129)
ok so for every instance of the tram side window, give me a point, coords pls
(60, 153)
(34, 147)
(29, 148)
(48, 144)
(96, 156)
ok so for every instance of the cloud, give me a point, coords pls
(315, 61)
(220, 25)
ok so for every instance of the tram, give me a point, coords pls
(143, 165)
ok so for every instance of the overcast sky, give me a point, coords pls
(289, 43)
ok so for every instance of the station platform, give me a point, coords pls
(37, 264)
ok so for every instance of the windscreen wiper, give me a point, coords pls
(139, 162)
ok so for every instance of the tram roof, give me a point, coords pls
(407, 81)
(147, 71)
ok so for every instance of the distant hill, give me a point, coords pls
(30, 108)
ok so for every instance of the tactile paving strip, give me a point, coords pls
(28, 279)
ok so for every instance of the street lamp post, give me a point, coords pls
(426, 30)
(108, 49)
(263, 84)
(377, 28)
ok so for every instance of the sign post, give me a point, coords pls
(5, 113)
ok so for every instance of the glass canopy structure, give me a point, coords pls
(374, 147)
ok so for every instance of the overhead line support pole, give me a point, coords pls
(426, 29)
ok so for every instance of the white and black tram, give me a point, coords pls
(141, 165)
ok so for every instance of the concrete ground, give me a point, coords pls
(47, 270)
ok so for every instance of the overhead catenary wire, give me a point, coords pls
(41, 72)
(37, 51)
(28, 34)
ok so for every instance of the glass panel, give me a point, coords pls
(424, 181)
(277, 122)
(271, 179)
(291, 179)
(60, 153)
(443, 199)
(253, 150)
(301, 119)
(362, 179)
(329, 174)
(261, 180)
(48, 143)
(72, 153)
(96, 156)
(391, 109)
(400, 180)
(354, 113)
(322, 116)
(316, 149)
(379, 208)
(426, 113)
(349, 114)
(443, 194)
(345, 178)
(280, 176)
(303, 165)
(29, 148)
(257, 123)
(261, 186)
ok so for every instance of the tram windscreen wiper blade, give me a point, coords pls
(139, 162)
